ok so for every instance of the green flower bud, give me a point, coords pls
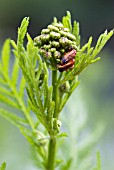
(42, 51)
(64, 41)
(37, 41)
(55, 44)
(55, 35)
(45, 37)
(71, 36)
(45, 31)
(53, 28)
(57, 54)
(59, 25)
(65, 29)
(47, 47)
(63, 33)
(52, 50)
(69, 42)
(48, 54)
(68, 35)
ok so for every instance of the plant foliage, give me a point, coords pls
(98, 166)
(34, 92)
(3, 166)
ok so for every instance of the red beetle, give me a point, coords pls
(66, 66)
(68, 56)
(67, 61)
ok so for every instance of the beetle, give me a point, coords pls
(66, 66)
(68, 56)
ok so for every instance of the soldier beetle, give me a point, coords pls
(66, 66)
(68, 56)
(67, 61)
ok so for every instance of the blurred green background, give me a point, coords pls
(97, 82)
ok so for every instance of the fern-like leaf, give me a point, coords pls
(67, 21)
(22, 30)
(15, 120)
(75, 32)
(9, 93)
(101, 42)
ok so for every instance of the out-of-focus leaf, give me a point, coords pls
(3, 166)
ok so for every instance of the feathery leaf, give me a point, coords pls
(67, 21)
(12, 118)
(22, 30)
(75, 32)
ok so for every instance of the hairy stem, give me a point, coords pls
(52, 142)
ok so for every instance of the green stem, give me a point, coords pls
(51, 154)
(52, 142)
(55, 92)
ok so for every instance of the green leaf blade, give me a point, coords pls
(98, 166)
(15, 73)
(22, 87)
(6, 57)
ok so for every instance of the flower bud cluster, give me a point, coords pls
(54, 41)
